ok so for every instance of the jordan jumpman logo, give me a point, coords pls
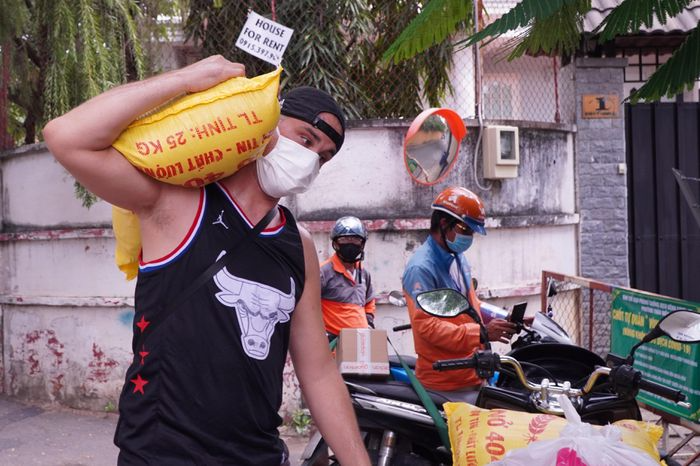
(220, 220)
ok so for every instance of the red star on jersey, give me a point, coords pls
(143, 353)
(139, 383)
(142, 324)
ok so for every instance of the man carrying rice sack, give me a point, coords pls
(205, 383)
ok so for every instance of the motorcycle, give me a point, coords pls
(397, 429)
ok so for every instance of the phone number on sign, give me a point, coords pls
(257, 50)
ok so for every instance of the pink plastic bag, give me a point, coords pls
(579, 444)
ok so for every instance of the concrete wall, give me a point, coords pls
(601, 172)
(531, 219)
(67, 311)
(602, 185)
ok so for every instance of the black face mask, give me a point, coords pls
(350, 252)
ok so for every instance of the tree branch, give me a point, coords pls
(32, 53)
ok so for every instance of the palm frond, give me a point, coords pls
(522, 15)
(679, 73)
(631, 15)
(433, 25)
(558, 33)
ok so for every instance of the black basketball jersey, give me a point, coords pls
(205, 384)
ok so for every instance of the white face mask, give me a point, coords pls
(289, 168)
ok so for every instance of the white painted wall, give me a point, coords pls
(64, 354)
(38, 194)
(67, 311)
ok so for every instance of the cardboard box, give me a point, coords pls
(362, 351)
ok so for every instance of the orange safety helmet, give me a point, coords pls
(463, 205)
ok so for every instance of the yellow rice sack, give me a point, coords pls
(481, 436)
(205, 136)
(196, 140)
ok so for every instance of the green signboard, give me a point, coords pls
(663, 360)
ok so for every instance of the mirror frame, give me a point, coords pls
(454, 123)
(668, 335)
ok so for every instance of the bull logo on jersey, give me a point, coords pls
(258, 307)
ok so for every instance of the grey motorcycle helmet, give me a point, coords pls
(348, 226)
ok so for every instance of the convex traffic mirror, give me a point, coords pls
(432, 144)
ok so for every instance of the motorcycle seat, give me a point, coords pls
(395, 390)
(409, 360)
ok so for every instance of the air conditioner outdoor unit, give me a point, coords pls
(501, 152)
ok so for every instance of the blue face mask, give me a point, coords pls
(460, 244)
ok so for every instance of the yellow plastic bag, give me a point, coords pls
(481, 436)
(205, 136)
(193, 141)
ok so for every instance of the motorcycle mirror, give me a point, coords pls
(680, 325)
(396, 298)
(443, 302)
(446, 302)
(431, 145)
(683, 326)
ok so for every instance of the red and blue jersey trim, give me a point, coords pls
(269, 231)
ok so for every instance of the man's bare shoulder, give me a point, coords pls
(305, 235)
(310, 255)
(308, 244)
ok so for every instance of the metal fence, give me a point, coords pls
(581, 306)
(347, 61)
(338, 46)
(527, 88)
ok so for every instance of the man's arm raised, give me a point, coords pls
(81, 140)
(318, 375)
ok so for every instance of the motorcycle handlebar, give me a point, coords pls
(453, 364)
(399, 328)
(473, 362)
(667, 392)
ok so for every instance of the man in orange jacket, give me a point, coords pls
(440, 263)
(347, 297)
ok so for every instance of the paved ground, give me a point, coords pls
(42, 436)
(47, 436)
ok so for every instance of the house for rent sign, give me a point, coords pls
(264, 38)
(663, 360)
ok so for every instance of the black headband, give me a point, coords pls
(306, 103)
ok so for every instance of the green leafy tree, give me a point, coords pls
(554, 27)
(157, 25)
(62, 52)
(336, 46)
(59, 53)
(10, 26)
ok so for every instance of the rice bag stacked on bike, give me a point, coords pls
(482, 436)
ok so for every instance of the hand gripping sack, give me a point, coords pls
(196, 140)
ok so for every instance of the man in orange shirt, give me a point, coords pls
(440, 263)
(347, 298)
